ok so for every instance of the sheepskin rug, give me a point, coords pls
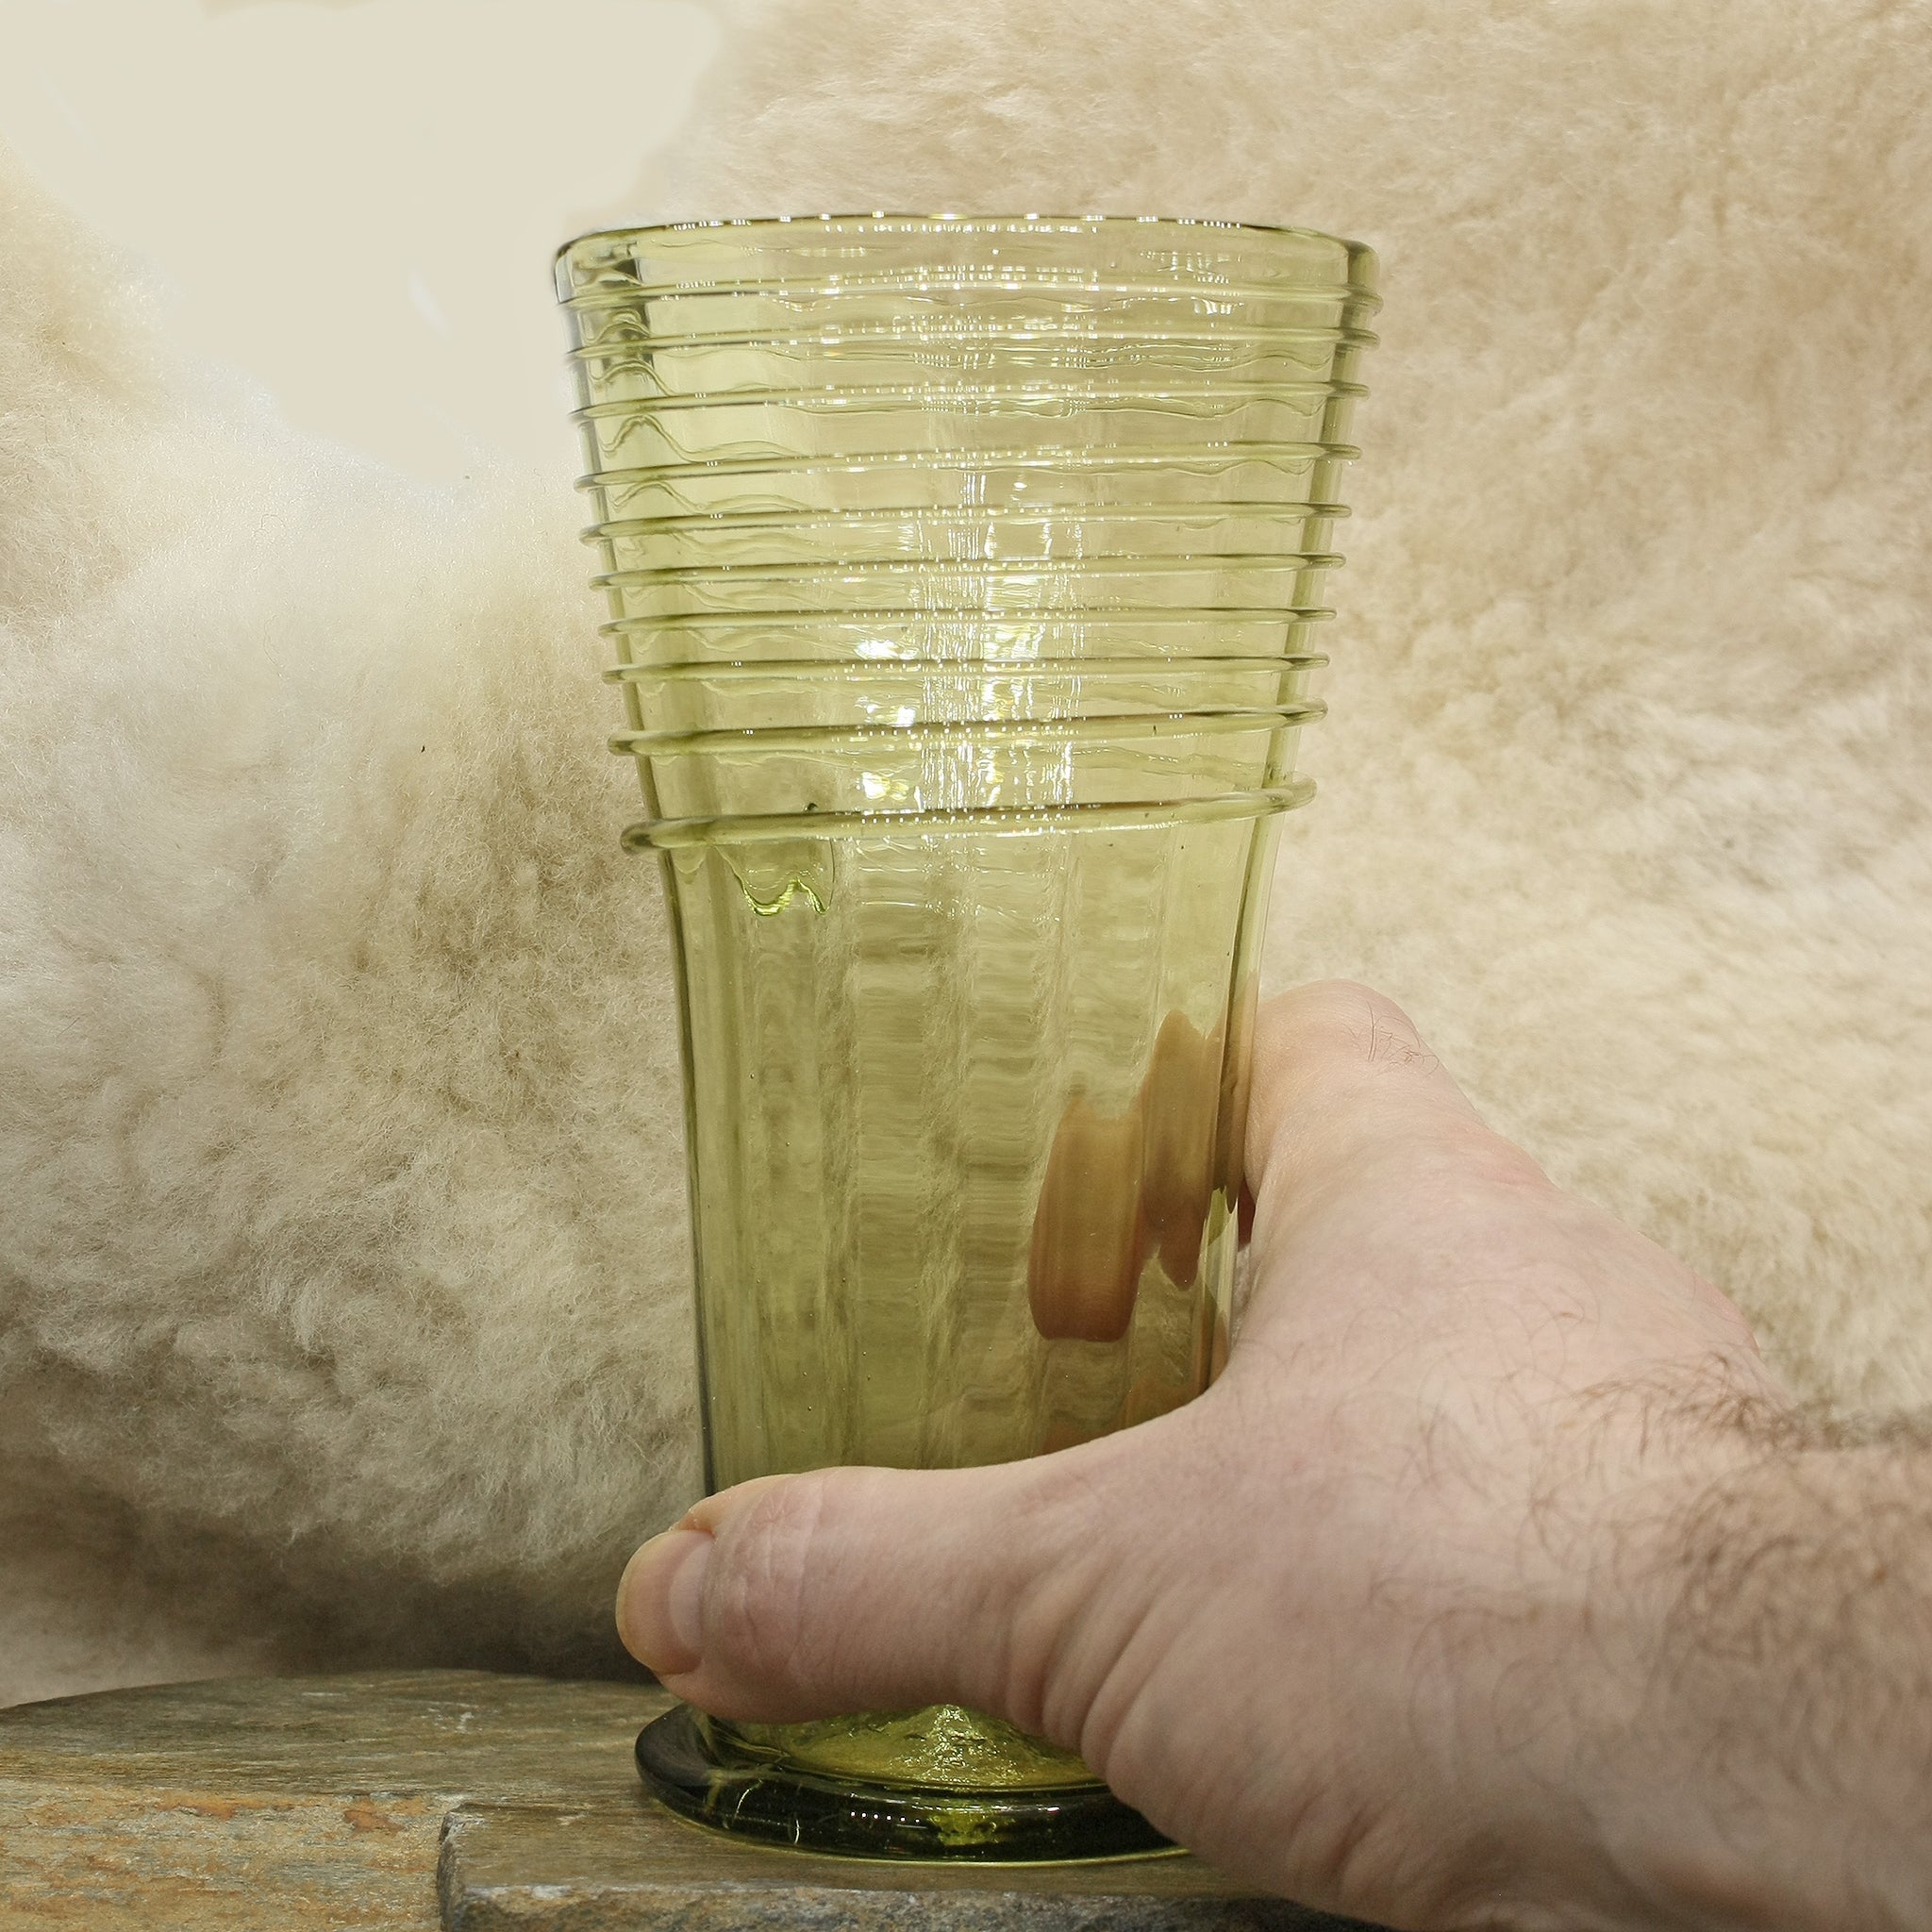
(342, 1255)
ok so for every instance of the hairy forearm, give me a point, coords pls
(1777, 1767)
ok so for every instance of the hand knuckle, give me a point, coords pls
(760, 1616)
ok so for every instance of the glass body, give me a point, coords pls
(962, 577)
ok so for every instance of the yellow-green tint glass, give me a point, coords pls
(963, 578)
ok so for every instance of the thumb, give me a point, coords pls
(802, 1596)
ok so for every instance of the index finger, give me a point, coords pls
(1340, 1072)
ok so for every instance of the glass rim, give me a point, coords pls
(959, 221)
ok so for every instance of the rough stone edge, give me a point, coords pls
(816, 1908)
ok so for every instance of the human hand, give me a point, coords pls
(1392, 1618)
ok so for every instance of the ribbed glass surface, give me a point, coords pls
(963, 578)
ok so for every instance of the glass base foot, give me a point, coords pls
(705, 1774)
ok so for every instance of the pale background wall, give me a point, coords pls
(355, 201)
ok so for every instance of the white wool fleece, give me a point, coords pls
(342, 1196)
(342, 1224)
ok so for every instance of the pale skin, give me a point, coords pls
(1495, 1583)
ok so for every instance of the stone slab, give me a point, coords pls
(283, 1805)
(635, 1867)
(399, 1801)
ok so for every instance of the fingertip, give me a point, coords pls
(661, 1600)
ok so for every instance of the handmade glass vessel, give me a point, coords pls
(963, 578)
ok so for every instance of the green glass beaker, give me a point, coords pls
(962, 575)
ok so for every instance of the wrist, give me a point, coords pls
(1756, 1759)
